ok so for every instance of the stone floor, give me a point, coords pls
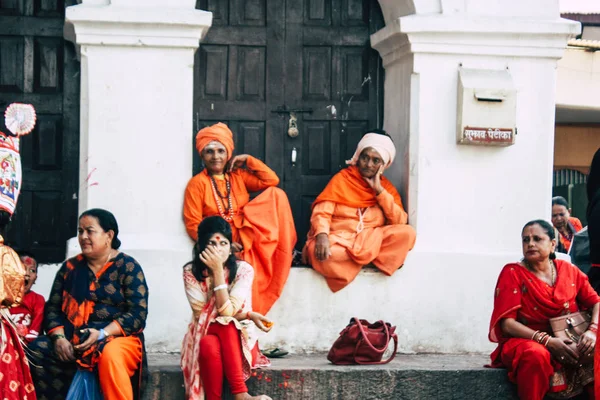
(414, 377)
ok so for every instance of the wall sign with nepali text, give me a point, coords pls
(487, 136)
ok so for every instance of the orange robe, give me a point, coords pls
(264, 226)
(384, 240)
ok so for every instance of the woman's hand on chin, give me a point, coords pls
(375, 181)
(211, 258)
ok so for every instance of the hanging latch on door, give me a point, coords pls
(285, 110)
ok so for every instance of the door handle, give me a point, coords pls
(284, 110)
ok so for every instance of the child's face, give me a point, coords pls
(30, 272)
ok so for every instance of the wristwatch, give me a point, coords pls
(103, 335)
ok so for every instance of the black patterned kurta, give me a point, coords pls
(117, 293)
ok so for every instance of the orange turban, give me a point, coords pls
(218, 132)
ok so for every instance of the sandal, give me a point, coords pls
(275, 353)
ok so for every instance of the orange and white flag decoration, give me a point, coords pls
(20, 120)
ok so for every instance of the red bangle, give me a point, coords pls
(548, 337)
(593, 328)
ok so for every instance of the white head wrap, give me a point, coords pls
(380, 143)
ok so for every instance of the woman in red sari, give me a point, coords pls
(566, 225)
(528, 294)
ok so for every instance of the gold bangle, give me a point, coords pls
(224, 306)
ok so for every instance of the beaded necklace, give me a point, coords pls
(220, 199)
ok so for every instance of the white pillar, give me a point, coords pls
(467, 203)
(137, 67)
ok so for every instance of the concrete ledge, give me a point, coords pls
(312, 377)
(440, 303)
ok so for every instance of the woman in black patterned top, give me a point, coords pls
(95, 316)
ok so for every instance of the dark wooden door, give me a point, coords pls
(332, 70)
(239, 76)
(303, 54)
(38, 66)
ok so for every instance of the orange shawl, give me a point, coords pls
(349, 188)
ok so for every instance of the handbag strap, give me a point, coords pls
(395, 337)
(366, 338)
(368, 342)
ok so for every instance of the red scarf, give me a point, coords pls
(521, 295)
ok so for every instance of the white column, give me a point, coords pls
(137, 67)
(467, 203)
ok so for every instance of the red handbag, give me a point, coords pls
(363, 343)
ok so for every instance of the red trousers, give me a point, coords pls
(529, 366)
(221, 352)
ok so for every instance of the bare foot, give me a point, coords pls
(246, 396)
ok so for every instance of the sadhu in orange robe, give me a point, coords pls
(362, 228)
(263, 226)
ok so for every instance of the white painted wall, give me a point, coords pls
(137, 64)
(478, 198)
(468, 204)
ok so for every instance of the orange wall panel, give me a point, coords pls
(575, 145)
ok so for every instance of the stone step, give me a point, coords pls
(312, 377)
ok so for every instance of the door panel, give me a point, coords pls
(38, 66)
(333, 71)
(235, 81)
(305, 54)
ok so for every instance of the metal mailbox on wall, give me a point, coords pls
(487, 107)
